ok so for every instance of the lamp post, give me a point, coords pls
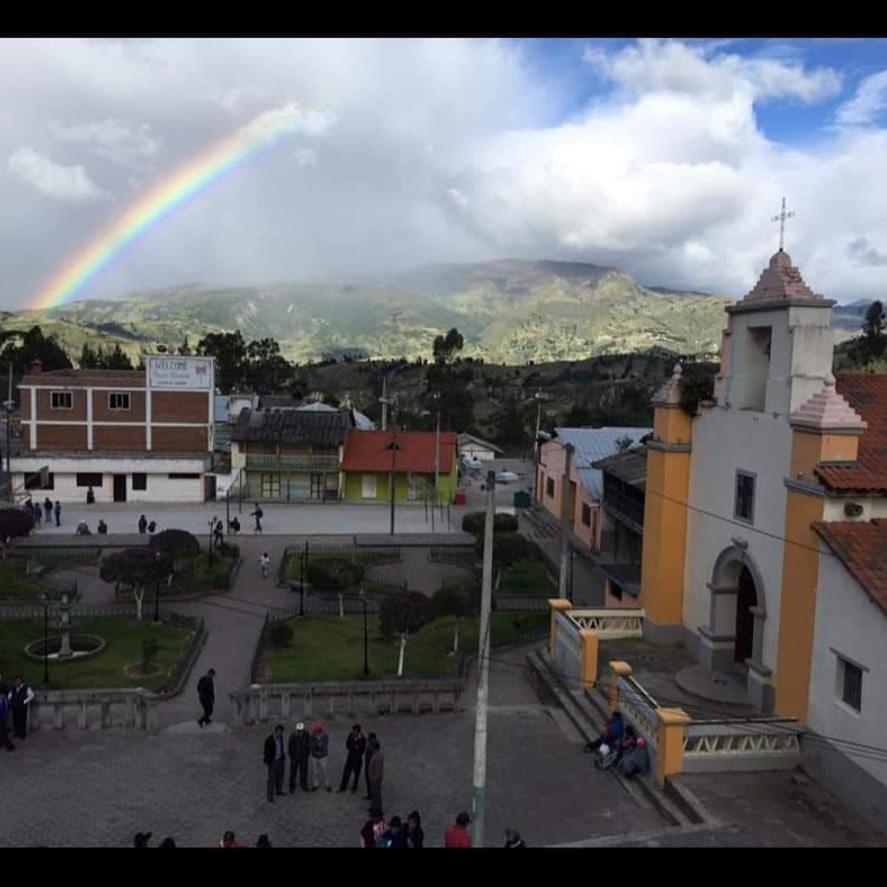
(386, 402)
(212, 526)
(436, 397)
(157, 557)
(45, 599)
(538, 398)
(366, 661)
(304, 559)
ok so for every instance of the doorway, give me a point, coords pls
(746, 599)
(120, 488)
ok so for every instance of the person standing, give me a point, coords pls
(102, 528)
(299, 750)
(355, 744)
(206, 693)
(4, 717)
(47, 507)
(375, 773)
(58, 513)
(320, 749)
(457, 834)
(143, 524)
(90, 496)
(20, 698)
(218, 537)
(257, 514)
(371, 743)
(275, 760)
(415, 835)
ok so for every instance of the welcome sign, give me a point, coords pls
(190, 373)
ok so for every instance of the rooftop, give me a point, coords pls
(371, 451)
(780, 283)
(594, 444)
(630, 466)
(466, 438)
(862, 548)
(867, 395)
(134, 378)
(290, 426)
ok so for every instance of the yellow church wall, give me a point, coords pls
(671, 425)
(808, 448)
(665, 535)
(800, 576)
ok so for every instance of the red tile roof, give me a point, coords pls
(371, 451)
(867, 394)
(862, 548)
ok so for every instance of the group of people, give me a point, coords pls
(228, 841)
(146, 526)
(308, 754)
(16, 702)
(39, 513)
(620, 746)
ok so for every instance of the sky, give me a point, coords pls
(667, 158)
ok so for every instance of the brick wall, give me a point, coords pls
(45, 411)
(181, 440)
(179, 406)
(123, 438)
(61, 437)
(101, 411)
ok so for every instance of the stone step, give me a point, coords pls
(589, 719)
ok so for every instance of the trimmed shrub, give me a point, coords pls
(406, 611)
(333, 573)
(474, 522)
(280, 635)
(228, 549)
(135, 567)
(510, 547)
(178, 544)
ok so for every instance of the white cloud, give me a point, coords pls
(289, 118)
(457, 197)
(869, 102)
(66, 183)
(130, 145)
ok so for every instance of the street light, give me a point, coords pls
(212, 526)
(386, 402)
(157, 557)
(366, 662)
(436, 398)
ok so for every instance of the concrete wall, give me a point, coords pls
(353, 486)
(871, 508)
(476, 451)
(552, 459)
(724, 441)
(850, 623)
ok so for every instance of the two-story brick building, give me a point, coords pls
(130, 435)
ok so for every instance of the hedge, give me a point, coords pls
(333, 573)
(474, 522)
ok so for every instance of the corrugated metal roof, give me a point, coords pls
(630, 466)
(592, 444)
(291, 426)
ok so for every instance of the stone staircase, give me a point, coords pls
(539, 524)
(588, 712)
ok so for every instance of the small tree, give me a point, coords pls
(401, 614)
(135, 568)
(450, 600)
(176, 544)
(874, 338)
(697, 385)
(13, 523)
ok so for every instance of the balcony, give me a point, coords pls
(270, 462)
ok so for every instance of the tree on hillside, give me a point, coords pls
(99, 359)
(267, 369)
(512, 429)
(21, 349)
(446, 347)
(874, 337)
(229, 350)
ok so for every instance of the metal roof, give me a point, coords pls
(291, 426)
(630, 467)
(592, 444)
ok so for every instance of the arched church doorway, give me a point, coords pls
(746, 599)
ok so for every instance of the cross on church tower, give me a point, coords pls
(781, 219)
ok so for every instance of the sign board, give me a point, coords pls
(182, 373)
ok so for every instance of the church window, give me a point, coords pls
(744, 503)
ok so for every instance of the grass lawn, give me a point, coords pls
(325, 648)
(124, 647)
(14, 585)
(527, 577)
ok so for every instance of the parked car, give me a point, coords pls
(506, 477)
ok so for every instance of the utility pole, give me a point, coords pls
(538, 398)
(9, 406)
(393, 484)
(483, 669)
(384, 403)
(566, 518)
(436, 457)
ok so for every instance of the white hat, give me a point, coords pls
(300, 726)
(604, 749)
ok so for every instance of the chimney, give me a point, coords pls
(36, 366)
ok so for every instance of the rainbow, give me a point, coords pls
(167, 196)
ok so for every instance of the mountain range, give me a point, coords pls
(509, 311)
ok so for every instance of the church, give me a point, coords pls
(765, 529)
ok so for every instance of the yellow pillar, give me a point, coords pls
(588, 667)
(555, 605)
(618, 669)
(665, 507)
(670, 741)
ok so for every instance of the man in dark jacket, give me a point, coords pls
(206, 693)
(58, 513)
(47, 507)
(371, 742)
(257, 514)
(356, 745)
(19, 700)
(4, 715)
(274, 757)
(299, 750)
(375, 772)
(143, 524)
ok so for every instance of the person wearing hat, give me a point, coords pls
(299, 750)
(274, 758)
(355, 744)
(457, 834)
(320, 749)
(141, 839)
